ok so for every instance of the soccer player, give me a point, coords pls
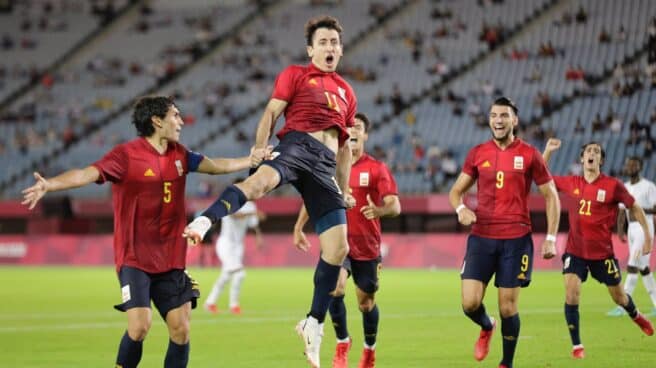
(644, 192)
(148, 177)
(375, 193)
(319, 106)
(230, 250)
(500, 241)
(592, 203)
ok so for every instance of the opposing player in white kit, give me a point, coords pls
(644, 192)
(230, 249)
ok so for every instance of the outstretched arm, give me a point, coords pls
(553, 144)
(70, 179)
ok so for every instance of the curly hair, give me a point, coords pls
(144, 110)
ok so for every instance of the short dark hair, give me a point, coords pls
(144, 110)
(365, 120)
(603, 152)
(505, 101)
(322, 21)
(637, 159)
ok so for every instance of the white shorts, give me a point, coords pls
(636, 239)
(230, 254)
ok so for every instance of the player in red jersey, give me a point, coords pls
(319, 106)
(500, 241)
(592, 203)
(375, 194)
(148, 177)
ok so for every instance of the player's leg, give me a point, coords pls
(642, 263)
(477, 269)
(337, 312)
(575, 273)
(238, 277)
(514, 270)
(135, 290)
(175, 294)
(635, 239)
(265, 179)
(178, 322)
(366, 276)
(649, 283)
(223, 250)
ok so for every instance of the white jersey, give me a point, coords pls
(644, 192)
(233, 228)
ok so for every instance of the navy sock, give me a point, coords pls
(177, 356)
(630, 308)
(129, 352)
(337, 311)
(325, 281)
(480, 317)
(370, 324)
(572, 318)
(228, 202)
(510, 334)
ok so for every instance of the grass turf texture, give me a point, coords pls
(63, 317)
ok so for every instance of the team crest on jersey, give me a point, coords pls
(364, 179)
(518, 164)
(342, 93)
(601, 195)
(178, 166)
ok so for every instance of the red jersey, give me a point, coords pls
(149, 208)
(504, 178)
(592, 209)
(372, 177)
(316, 100)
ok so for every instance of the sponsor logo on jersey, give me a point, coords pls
(226, 204)
(519, 163)
(601, 195)
(521, 276)
(486, 164)
(149, 172)
(178, 166)
(364, 179)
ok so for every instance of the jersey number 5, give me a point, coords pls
(332, 101)
(167, 192)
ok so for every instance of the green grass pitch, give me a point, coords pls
(63, 317)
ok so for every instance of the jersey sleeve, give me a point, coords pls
(283, 88)
(622, 195)
(386, 185)
(562, 183)
(469, 167)
(539, 169)
(112, 166)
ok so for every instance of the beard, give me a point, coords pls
(502, 138)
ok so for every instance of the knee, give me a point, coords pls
(470, 305)
(645, 271)
(631, 269)
(138, 330)
(572, 297)
(507, 310)
(180, 332)
(366, 306)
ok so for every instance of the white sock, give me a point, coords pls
(370, 347)
(219, 284)
(650, 286)
(341, 341)
(235, 287)
(630, 283)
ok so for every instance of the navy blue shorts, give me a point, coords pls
(606, 271)
(310, 167)
(510, 259)
(168, 290)
(365, 273)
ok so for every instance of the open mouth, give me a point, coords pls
(330, 59)
(590, 160)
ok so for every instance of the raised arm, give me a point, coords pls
(70, 179)
(456, 194)
(550, 194)
(553, 144)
